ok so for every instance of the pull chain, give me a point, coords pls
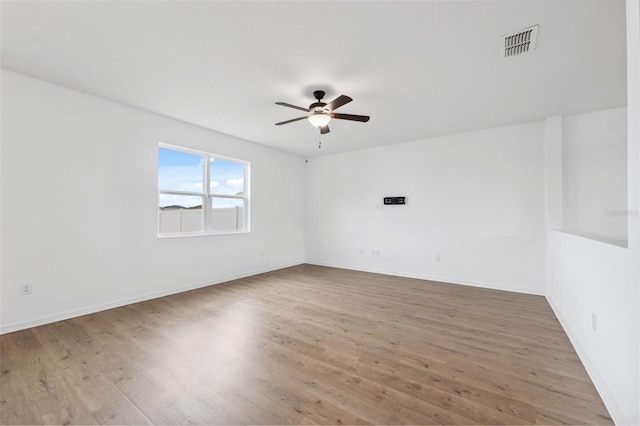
(319, 140)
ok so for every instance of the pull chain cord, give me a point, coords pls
(319, 140)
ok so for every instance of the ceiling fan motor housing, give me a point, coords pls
(318, 107)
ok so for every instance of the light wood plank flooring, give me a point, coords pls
(303, 345)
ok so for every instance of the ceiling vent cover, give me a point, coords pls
(519, 42)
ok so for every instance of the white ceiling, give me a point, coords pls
(418, 68)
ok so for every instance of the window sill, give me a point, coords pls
(199, 234)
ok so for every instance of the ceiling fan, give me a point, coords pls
(320, 114)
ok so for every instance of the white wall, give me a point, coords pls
(595, 175)
(91, 165)
(587, 276)
(475, 199)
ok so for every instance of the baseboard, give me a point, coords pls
(48, 319)
(442, 279)
(610, 402)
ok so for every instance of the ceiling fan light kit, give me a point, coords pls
(321, 113)
(319, 119)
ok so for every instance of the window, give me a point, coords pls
(201, 193)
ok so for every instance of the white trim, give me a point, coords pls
(181, 148)
(22, 325)
(199, 234)
(238, 197)
(178, 192)
(441, 279)
(617, 415)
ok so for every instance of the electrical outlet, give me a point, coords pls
(437, 258)
(594, 322)
(26, 288)
(375, 252)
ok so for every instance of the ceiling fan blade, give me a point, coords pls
(290, 121)
(292, 106)
(338, 102)
(324, 129)
(352, 117)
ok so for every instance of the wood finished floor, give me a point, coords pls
(303, 345)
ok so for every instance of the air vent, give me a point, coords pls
(519, 43)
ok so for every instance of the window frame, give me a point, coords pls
(206, 195)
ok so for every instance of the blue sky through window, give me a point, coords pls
(227, 177)
(183, 171)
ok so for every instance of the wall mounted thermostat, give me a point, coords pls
(394, 200)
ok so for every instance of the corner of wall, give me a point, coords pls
(633, 149)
